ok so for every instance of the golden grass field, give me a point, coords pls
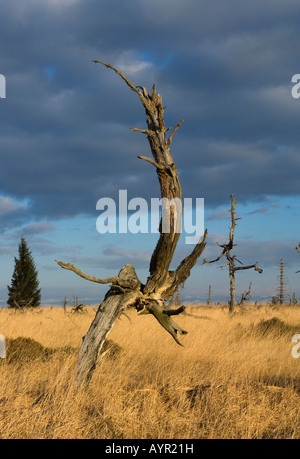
(235, 377)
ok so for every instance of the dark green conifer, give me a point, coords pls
(24, 289)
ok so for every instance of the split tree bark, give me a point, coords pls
(126, 289)
(231, 259)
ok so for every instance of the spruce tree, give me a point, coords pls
(24, 291)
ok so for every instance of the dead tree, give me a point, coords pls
(126, 289)
(22, 307)
(282, 294)
(231, 259)
(78, 309)
(209, 295)
(245, 296)
(65, 304)
(298, 250)
(282, 283)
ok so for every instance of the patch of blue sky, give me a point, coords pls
(167, 60)
(78, 241)
(81, 238)
(50, 71)
(157, 59)
(263, 220)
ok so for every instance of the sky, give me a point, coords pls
(226, 68)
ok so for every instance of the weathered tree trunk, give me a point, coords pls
(281, 281)
(298, 250)
(231, 259)
(209, 295)
(127, 290)
(232, 289)
(110, 309)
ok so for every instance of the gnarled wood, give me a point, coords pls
(163, 316)
(108, 312)
(117, 281)
(126, 290)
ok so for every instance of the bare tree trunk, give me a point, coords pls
(126, 290)
(209, 295)
(281, 287)
(65, 304)
(298, 250)
(232, 290)
(110, 309)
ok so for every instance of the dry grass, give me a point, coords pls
(235, 378)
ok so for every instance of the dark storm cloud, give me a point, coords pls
(225, 67)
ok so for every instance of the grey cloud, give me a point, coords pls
(131, 254)
(38, 228)
(268, 209)
(116, 257)
(9, 206)
(5, 249)
(65, 139)
(260, 210)
(221, 215)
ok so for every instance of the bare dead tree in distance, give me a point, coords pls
(231, 259)
(282, 293)
(246, 295)
(298, 250)
(126, 289)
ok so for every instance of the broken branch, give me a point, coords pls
(151, 161)
(174, 130)
(143, 131)
(174, 312)
(240, 268)
(121, 74)
(110, 280)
